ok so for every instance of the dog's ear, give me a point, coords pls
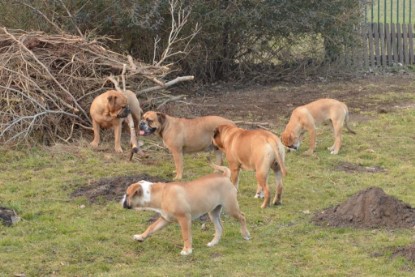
(161, 117)
(112, 99)
(139, 191)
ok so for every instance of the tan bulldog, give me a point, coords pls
(257, 150)
(183, 202)
(305, 118)
(182, 135)
(109, 110)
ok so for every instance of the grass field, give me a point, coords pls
(390, 11)
(64, 236)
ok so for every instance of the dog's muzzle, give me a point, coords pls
(124, 112)
(294, 146)
(124, 203)
(143, 126)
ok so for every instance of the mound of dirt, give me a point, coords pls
(111, 188)
(408, 252)
(370, 208)
(8, 216)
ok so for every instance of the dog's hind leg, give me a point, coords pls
(337, 128)
(215, 218)
(278, 183)
(261, 177)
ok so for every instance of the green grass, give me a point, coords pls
(390, 11)
(58, 236)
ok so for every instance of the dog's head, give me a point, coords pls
(152, 122)
(218, 136)
(137, 195)
(117, 104)
(290, 140)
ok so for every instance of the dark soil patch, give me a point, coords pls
(111, 188)
(408, 252)
(370, 208)
(352, 168)
(8, 216)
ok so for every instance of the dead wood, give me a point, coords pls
(48, 81)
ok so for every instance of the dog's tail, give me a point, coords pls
(346, 121)
(225, 171)
(278, 148)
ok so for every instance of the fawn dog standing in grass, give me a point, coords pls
(305, 118)
(109, 110)
(258, 150)
(183, 135)
(185, 201)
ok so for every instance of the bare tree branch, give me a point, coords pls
(179, 18)
(168, 84)
(71, 17)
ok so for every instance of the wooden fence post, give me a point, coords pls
(411, 44)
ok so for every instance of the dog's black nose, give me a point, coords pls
(142, 125)
(125, 205)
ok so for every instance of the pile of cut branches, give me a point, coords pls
(47, 83)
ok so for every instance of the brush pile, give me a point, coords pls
(47, 83)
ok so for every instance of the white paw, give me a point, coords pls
(212, 243)
(259, 195)
(246, 235)
(138, 238)
(186, 252)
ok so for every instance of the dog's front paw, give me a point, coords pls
(94, 144)
(264, 205)
(334, 152)
(118, 149)
(139, 238)
(309, 152)
(259, 195)
(277, 202)
(213, 243)
(210, 244)
(186, 252)
(177, 178)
